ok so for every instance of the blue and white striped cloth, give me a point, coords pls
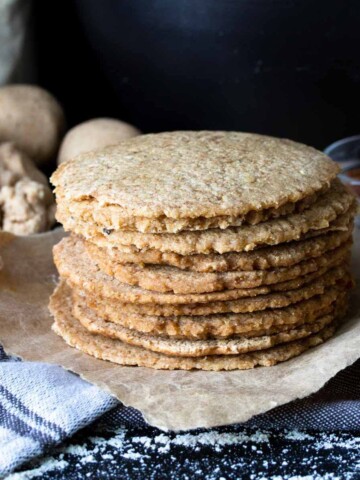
(41, 405)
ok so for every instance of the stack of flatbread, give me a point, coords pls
(201, 250)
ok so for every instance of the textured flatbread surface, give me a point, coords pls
(278, 296)
(263, 322)
(116, 351)
(221, 324)
(107, 218)
(75, 265)
(196, 348)
(187, 175)
(328, 208)
(264, 258)
(172, 279)
(342, 222)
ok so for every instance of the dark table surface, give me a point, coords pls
(128, 452)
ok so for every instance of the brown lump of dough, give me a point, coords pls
(26, 202)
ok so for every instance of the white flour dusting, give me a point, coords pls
(296, 435)
(253, 454)
(49, 465)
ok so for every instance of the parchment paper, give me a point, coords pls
(169, 400)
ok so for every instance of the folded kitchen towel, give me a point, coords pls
(41, 405)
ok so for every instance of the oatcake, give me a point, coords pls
(75, 265)
(283, 255)
(336, 202)
(171, 279)
(191, 176)
(116, 351)
(274, 296)
(342, 223)
(84, 212)
(197, 348)
(221, 325)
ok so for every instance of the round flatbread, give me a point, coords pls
(263, 322)
(86, 212)
(284, 255)
(161, 278)
(116, 351)
(196, 348)
(282, 297)
(75, 265)
(173, 181)
(319, 216)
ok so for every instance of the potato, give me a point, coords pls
(94, 134)
(32, 119)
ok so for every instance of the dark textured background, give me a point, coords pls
(282, 67)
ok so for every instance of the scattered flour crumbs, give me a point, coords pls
(140, 448)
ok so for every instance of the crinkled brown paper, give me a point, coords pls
(168, 399)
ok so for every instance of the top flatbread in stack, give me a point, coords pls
(171, 229)
(191, 181)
